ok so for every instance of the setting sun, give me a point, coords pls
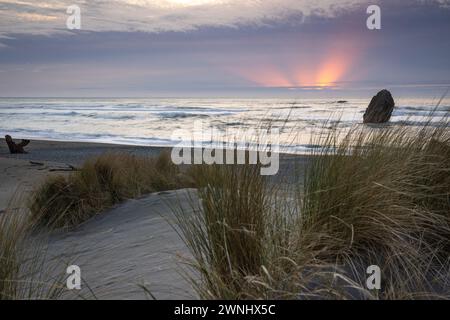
(330, 72)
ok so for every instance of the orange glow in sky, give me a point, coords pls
(325, 71)
(323, 74)
(331, 71)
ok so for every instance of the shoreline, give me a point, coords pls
(75, 152)
(20, 173)
(71, 152)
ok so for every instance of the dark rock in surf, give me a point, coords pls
(380, 108)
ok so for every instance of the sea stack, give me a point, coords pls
(380, 108)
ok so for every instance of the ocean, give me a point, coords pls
(152, 122)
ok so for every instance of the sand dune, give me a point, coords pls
(127, 246)
(130, 245)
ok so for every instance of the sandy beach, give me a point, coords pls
(20, 172)
(130, 245)
(126, 247)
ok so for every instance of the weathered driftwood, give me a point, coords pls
(43, 166)
(16, 147)
(68, 169)
(34, 163)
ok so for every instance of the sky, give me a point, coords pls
(223, 48)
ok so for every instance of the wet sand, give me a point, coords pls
(74, 153)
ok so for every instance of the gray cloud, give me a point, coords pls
(48, 17)
(154, 16)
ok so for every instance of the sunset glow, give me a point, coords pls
(330, 72)
(323, 74)
(325, 70)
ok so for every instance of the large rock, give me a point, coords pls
(380, 108)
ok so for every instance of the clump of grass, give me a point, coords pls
(227, 235)
(22, 271)
(381, 197)
(377, 196)
(67, 201)
(11, 236)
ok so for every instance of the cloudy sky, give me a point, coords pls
(222, 47)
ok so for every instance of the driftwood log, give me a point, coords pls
(16, 147)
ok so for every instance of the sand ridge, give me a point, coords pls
(127, 247)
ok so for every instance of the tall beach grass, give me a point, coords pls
(24, 273)
(67, 201)
(372, 196)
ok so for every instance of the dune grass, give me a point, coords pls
(11, 233)
(22, 271)
(226, 236)
(375, 196)
(67, 201)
